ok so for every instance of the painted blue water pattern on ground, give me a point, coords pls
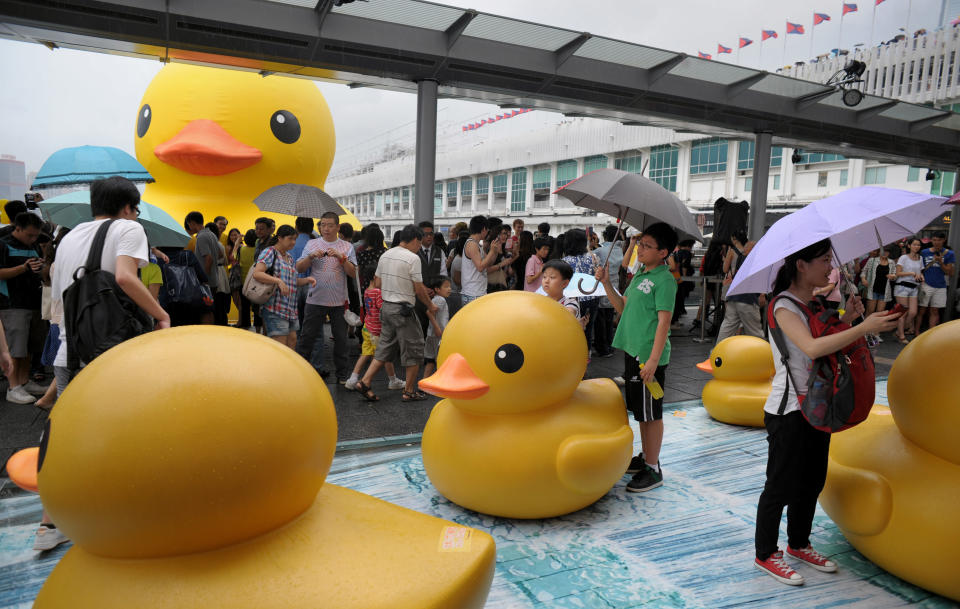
(687, 544)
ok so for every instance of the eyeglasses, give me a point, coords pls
(136, 210)
(647, 246)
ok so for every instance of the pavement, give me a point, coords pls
(358, 420)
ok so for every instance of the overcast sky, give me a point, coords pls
(51, 98)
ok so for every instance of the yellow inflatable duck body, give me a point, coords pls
(742, 368)
(893, 482)
(520, 435)
(206, 489)
(214, 139)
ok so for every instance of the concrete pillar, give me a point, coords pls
(553, 185)
(426, 158)
(730, 176)
(758, 193)
(528, 195)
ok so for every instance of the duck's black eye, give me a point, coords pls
(143, 120)
(285, 126)
(508, 358)
(717, 362)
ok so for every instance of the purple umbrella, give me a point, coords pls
(856, 221)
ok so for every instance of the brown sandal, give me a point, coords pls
(367, 393)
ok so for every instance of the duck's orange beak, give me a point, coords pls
(455, 379)
(706, 365)
(204, 148)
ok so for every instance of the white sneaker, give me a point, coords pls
(396, 384)
(19, 395)
(351, 383)
(34, 388)
(619, 381)
(48, 537)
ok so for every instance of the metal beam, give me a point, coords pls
(426, 159)
(875, 110)
(924, 123)
(758, 191)
(455, 30)
(736, 88)
(566, 51)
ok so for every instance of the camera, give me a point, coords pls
(31, 199)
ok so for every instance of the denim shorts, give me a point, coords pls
(274, 325)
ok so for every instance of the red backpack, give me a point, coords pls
(841, 388)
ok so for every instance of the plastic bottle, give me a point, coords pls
(654, 387)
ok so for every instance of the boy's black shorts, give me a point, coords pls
(639, 401)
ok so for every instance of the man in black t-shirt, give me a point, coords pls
(20, 295)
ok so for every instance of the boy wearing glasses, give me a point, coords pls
(646, 308)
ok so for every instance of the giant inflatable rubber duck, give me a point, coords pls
(893, 482)
(742, 368)
(205, 488)
(520, 435)
(214, 139)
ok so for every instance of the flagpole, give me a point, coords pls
(812, 30)
(761, 49)
(909, 10)
(783, 60)
(873, 27)
(840, 32)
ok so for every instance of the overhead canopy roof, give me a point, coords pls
(395, 43)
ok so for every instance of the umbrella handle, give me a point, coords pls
(591, 291)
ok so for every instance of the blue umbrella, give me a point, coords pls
(72, 208)
(84, 164)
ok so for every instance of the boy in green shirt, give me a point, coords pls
(646, 309)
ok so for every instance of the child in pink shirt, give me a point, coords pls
(533, 275)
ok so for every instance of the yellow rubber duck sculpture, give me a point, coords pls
(215, 139)
(183, 483)
(893, 483)
(742, 368)
(520, 435)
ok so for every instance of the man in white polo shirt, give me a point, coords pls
(401, 284)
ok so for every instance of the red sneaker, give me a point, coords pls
(778, 569)
(813, 558)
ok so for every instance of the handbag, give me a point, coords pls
(351, 318)
(256, 291)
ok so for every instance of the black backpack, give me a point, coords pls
(97, 314)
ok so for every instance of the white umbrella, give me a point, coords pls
(573, 288)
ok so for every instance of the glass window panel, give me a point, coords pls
(566, 172)
(500, 183)
(913, 174)
(541, 177)
(632, 164)
(843, 177)
(518, 190)
(807, 158)
(592, 163)
(708, 156)
(776, 182)
(438, 198)
(663, 166)
(875, 175)
(483, 185)
(466, 187)
(745, 152)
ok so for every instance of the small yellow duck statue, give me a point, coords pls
(184, 483)
(520, 435)
(893, 482)
(742, 368)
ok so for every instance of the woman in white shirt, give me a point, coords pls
(797, 457)
(909, 277)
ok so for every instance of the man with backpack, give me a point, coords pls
(740, 310)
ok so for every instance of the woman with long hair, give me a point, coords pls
(235, 276)
(576, 255)
(524, 250)
(876, 277)
(909, 275)
(797, 452)
(370, 255)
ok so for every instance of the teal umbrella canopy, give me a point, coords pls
(85, 164)
(72, 208)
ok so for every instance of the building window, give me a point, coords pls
(451, 195)
(875, 175)
(541, 178)
(396, 200)
(592, 163)
(822, 179)
(708, 156)
(663, 166)
(913, 174)
(500, 183)
(566, 172)
(776, 182)
(807, 158)
(518, 190)
(748, 184)
(943, 184)
(405, 199)
(466, 187)
(843, 177)
(629, 163)
(437, 198)
(379, 208)
(483, 185)
(747, 150)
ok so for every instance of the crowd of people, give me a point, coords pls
(396, 302)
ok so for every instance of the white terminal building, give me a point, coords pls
(511, 168)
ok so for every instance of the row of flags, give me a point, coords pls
(493, 119)
(792, 28)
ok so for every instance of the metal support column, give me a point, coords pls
(426, 149)
(761, 179)
(953, 242)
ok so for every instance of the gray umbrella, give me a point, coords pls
(633, 199)
(297, 200)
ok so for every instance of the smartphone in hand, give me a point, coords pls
(897, 309)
